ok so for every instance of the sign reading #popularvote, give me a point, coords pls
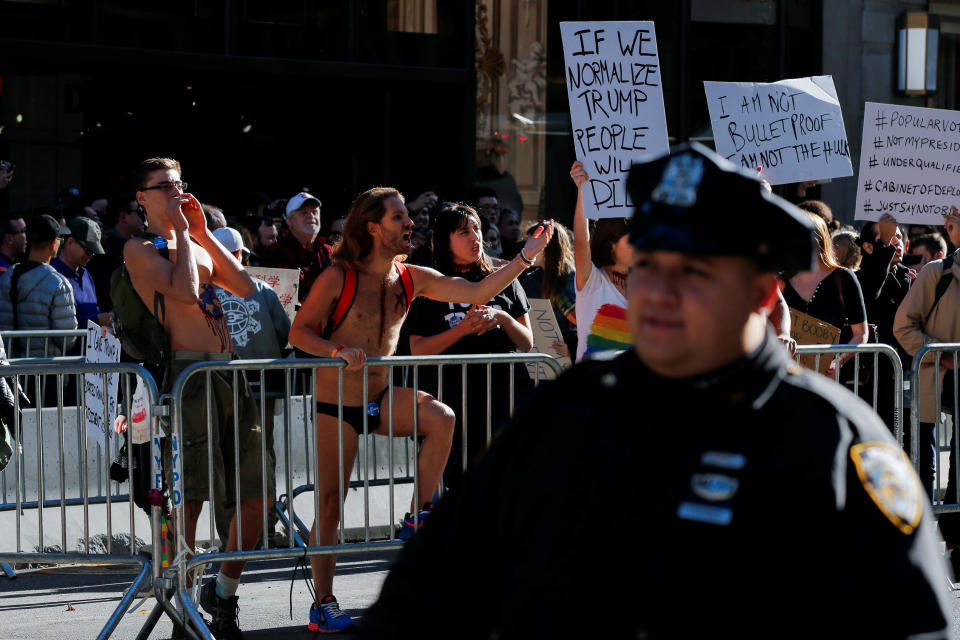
(909, 163)
(792, 130)
(616, 107)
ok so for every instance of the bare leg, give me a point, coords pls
(324, 531)
(435, 424)
(251, 511)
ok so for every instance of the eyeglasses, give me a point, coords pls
(84, 245)
(489, 207)
(168, 187)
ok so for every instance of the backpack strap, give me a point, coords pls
(406, 279)
(348, 294)
(942, 285)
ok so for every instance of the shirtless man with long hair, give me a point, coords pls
(355, 310)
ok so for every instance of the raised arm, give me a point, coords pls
(436, 286)
(581, 229)
(227, 271)
(179, 281)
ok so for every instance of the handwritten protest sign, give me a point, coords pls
(546, 331)
(806, 329)
(101, 404)
(284, 282)
(792, 129)
(909, 163)
(616, 106)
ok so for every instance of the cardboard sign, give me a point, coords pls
(806, 329)
(909, 163)
(284, 282)
(546, 331)
(101, 404)
(792, 130)
(616, 107)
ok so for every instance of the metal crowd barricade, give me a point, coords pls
(296, 550)
(18, 343)
(40, 427)
(930, 355)
(860, 350)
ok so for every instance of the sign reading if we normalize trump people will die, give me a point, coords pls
(792, 130)
(616, 107)
(909, 163)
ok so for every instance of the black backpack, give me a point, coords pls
(140, 332)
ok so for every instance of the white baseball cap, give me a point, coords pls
(298, 201)
(230, 239)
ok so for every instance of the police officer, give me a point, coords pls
(699, 485)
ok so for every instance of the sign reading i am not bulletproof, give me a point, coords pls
(791, 130)
(909, 163)
(616, 107)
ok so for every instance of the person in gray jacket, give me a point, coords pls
(259, 328)
(33, 295)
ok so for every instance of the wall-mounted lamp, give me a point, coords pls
(918, 35)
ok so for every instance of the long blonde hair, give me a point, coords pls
(824, 243)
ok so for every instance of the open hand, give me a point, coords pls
(538, 239)
(887, 228)
(194, 213)
(427, 200)
(578, 174)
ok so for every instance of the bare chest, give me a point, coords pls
(375, 317)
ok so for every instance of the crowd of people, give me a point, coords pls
(421, 277)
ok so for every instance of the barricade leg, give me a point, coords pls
(8, 570)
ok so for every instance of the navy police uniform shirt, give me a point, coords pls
(760, 501)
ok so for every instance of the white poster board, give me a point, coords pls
(909, 163)
(101, 404)
(546, 331)
(284, 282)
(140, 415)
(616, 107)
(791, 130)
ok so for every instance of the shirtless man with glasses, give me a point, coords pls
(196, 326)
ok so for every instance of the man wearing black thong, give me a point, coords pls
(355, 309)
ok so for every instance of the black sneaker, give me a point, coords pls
(223, 610)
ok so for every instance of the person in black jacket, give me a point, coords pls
(884, 281)
(685, 478)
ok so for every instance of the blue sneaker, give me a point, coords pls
(407, 529)
(327, 617)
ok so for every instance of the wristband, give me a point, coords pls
(337, 350)
(524, 260)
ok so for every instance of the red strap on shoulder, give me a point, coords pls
(406, 278)
(347, 295)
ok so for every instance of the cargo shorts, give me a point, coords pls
(222, 443)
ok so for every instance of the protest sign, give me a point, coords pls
(791, 130)
(616, 107)
(546, 331)
(101, 404)
(909, 163)
(805, 329)
(284, 282)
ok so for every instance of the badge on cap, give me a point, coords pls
(714, 487)
(888, 477)
(679, 181)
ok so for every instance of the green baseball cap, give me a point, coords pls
(86, 231)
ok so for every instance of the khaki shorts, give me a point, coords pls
(196, 453)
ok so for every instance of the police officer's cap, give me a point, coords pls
(695, 201)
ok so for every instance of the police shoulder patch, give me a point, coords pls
(890, 481)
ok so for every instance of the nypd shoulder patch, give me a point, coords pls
(890, 481)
